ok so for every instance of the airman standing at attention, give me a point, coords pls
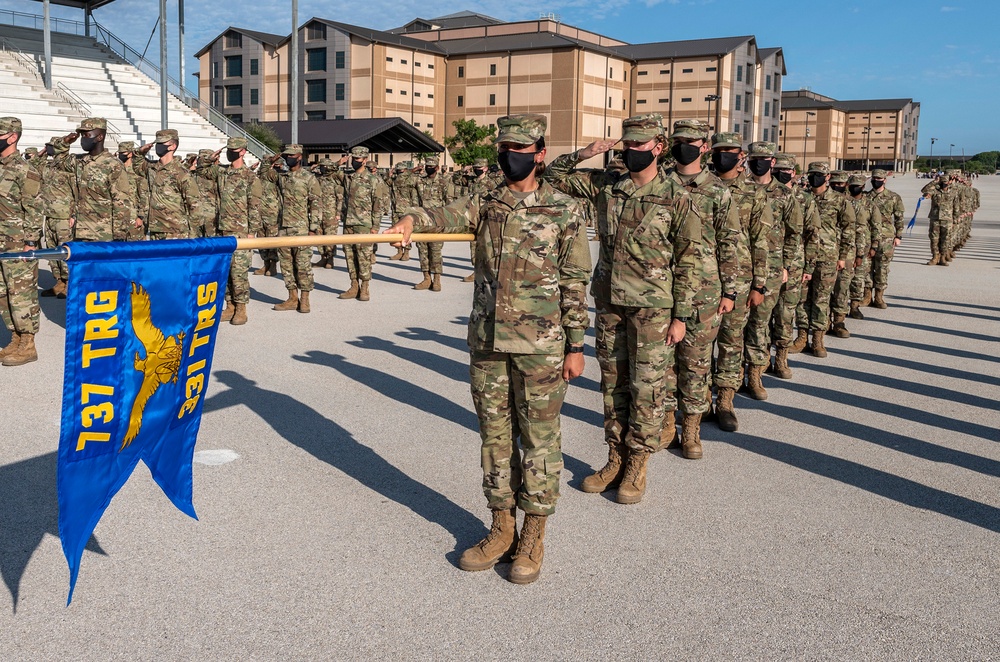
(270, 219)
(840, 304)
(333, 205)
(363, 200)
(20, 230)
(890, 206)
(433, 191)
(206, 166)
(477, 183)
(57, 203)
(138, 186)
(944, 208)
(173, 212)
(404, 195)
(869, 237)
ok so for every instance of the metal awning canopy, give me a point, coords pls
(379, 135)
(81, 4)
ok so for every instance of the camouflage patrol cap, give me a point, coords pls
(190, 156)
(784, 161)
(642, 128)
(432, 161)
(407, 165)
(371, 165)
(521, 129)
(92, 123)
(692, 129)
(292, 149)
(480, 163)
(839, 176)
(166, 135)
(399, 167)
(879, 173)
(31, 151)
(954, 172)
(126, 147)
(10, 125)
(727, 139)
(58, 145)
(819, 166)
(857, 179)
(762, 150)
(359, 152)
(236, 142)
(206, 156)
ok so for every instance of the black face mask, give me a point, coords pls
(759, 167)
(684, 153)
(161, 149)
(637, 160)
(839, 188)
(517, 166)
(232, 155)
(291, 161)
(357, 165)
(856, 189)
(816, 179)
(783, 176)
(123, 157)
(50, 150)
(725, 161)
(877, 184)
(478, 171)
(430, 170)
(87, 143)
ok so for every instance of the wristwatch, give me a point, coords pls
(762, 289)
(30, 244)
(683, 319)
(574, 349)
(731, 296)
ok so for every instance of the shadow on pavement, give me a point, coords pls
(935, 349)
(938, 329)
(974, 306)
(945, 311)
(918, 366)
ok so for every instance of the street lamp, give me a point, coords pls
(931, 160)
(710, 98)
(866, 133)
(805, 140)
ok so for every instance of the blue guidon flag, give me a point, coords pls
(141, 323)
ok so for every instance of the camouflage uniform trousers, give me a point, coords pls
(757, 337)
(862, 278)
(938, 235)
(57, 231)
(638, 377)
(783, 317)
(158, 236)
(238, 285)
(878, 277)
(820, 294)
(327, 228)
(19, 295)
(729, 344)
(802, 307)
(430, 256)
(268, 230)
(518, 398)
(359, 257)
(840, 303)
(296, 265)
(694, 355)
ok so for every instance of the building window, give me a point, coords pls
(430, 66)
(234, 40)
(316, 91)
(402, 93)
(254, 96)
(664, 100)
(416, 94)
(403, 62)
(641, 73)
(338, 92)
(493, 70)
(687, 71)
(739, 73)
(416, 64)
(216, 98)
(388, 90)
(254, 66)
(686, 100)
(461, 72)
(338, 117)
(315, 59)
(215, 69)
(623, 104)
(609, 132)
(316, 31)
(609, 102)
(416, 124)
(493, 99)
(339, 59)
(430, 125)
(234, 95)
(739, 100)
(765, 135)
(767, 82)
(767, 110)
(234, 66)
(664, 71)
(388, 59)
(461, 101)
(710, 69)
(430, 96)
(236, 118)
(611, 73)
(639, 101)
(313, 115)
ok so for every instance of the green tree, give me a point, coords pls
(470, 142)
(265, 134)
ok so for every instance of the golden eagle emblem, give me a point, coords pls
(162, 362)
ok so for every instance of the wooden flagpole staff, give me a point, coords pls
(343, 240)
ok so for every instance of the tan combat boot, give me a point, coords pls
(608, 476)
(470, 278)
(781, 369)
(530, 551)
(800, 343)
(363, 293)
(691, 436)
(879, 302)
(15, 341)
(25, 352)
(856, 313)
(634, 479)
(934, 260)
(262, 270)
(272, 269)
(839, 329)
(227, 312)
(398, 255)
(498, 545)
(62, 287)
(867, 298)
(239, 315)
(406, 255)
(425, 284)
(291, 303)
(304, 302)
(321, 262)
(50, 292)
(725, 414)
(818, 350)
(668, 433)
(352, 291)
(436, 283)
(755, 385)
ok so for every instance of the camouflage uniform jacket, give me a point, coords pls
(20, 216)
(206, 178)
(458, 187)
(760, 256)
(333, 197)
(363, 198)
(301, 200)
(835, 233)
(58, 181)
(532, 268)
(810, 223)
(944, 204)
(104, 205)
(433, 191)
(787, 214)
(270, 203)
(650, 237)
(173, 199)
(869, 225)
(404, 193)
(890, 207)
(239, 194)
(721, 232)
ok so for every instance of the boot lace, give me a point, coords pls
(529, 535)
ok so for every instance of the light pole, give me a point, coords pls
(805, 140)
(710, 98)
(931, 159)
(865, 132)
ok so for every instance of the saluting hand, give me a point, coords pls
(596, 147)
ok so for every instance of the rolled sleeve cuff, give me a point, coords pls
(575, 335)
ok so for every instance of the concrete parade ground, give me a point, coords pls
(854, 516)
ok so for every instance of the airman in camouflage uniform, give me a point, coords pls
(835, 246)
(840, 302)
(20, 230)
(57, 204)
(433, 191)
(526, 333)
(205, 166)
(301, 215)
(649, 241)
(364, 196)
(333, 205)
(718, 281)
(867, 214)
(174, 211)
(944, 208)
(404, 195)
(137, 185)
(477, 182)
(757, 226)
(963, 220)
(890, 206)
(270, 220)
(790, 309)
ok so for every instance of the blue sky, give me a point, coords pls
(943, 54)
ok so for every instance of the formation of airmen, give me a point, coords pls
(954, 201)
